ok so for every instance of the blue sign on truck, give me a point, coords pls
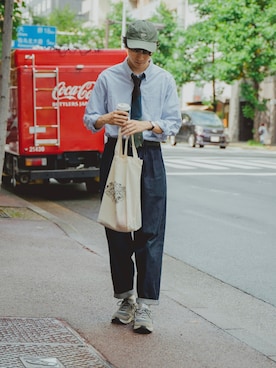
(29, 36)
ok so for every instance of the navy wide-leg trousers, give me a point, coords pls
(141, 251)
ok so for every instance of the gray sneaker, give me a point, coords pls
(125, 313)
(143, 323)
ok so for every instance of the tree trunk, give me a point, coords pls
(234, 112)
(273, 113)
(257, 121)
(215, 103)
(5, 78)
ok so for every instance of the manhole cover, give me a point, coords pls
(39, 362)
(44, 342)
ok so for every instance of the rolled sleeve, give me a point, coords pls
(95, 106)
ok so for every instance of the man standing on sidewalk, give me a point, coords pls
(155, 114)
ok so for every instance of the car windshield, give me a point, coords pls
(205, 118)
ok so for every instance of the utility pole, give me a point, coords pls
(5, 78)
(182, 10)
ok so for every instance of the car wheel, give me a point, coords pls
(191, 140)
(222, 147)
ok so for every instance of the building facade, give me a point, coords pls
(94, 12)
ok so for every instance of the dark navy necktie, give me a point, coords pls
(136, 105)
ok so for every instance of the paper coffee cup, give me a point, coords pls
(123, 107)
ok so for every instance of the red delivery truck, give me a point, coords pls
(46, 137)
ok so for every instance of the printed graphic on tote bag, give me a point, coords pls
(116, 191)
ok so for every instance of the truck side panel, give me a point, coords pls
(70, 96)
(46, 137)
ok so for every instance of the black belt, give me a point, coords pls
(144, 144)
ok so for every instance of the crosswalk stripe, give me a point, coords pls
(228, 173)
(194, 164)
(222, 164)
(236, 165)
(247, 163)
(179, 166)
(263, 163)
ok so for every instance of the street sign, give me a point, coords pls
(29, 36)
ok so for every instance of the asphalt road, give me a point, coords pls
(221, 215)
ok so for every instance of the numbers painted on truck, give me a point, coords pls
(36, 149)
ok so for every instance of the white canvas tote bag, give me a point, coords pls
(120, 208)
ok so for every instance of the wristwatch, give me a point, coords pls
(153, 125)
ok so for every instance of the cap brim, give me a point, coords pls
(137, 44)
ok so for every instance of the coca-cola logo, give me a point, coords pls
(67, 92)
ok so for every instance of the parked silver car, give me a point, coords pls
(202, 128)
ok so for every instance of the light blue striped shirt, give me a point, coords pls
(160, 102)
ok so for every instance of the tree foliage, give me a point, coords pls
(70, 32)
(17, 15)
(169, 39)
(243, 33)
(113, 31)
(16, 19)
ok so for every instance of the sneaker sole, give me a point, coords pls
(143, 330)
(118, 321)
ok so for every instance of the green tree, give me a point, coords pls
(244, 34)
(40, 20)
(169, 55)
(16, 18)
(200, 56)
(113, 31)
(17, 15)
(70, 31)
(249, 54)
(67, 24)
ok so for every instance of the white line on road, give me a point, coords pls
(220, 173)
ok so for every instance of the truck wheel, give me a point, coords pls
(24, 179)
(6, 180)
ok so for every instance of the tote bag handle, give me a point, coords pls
(119, 145)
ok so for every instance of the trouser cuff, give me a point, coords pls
(124, 295)
(147, 301)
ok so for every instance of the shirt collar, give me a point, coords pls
(129, 71)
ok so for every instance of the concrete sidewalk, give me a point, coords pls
(56, 292)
